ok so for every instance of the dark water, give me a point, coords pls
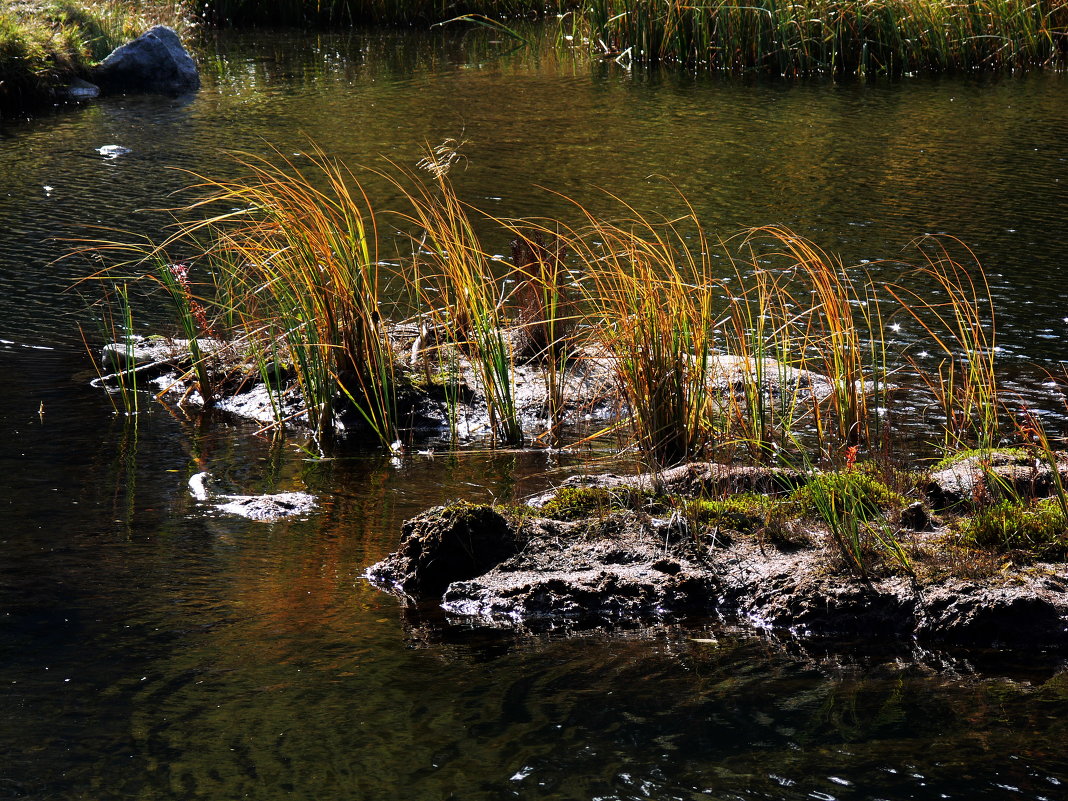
(150, 651)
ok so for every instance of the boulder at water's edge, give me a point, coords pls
(155, 61)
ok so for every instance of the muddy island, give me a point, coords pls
(746, 546)
(764, 385)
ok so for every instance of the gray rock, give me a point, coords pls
(999, 474)
(1029, 612)
(153, 354)
(268, 508)
(447, 544)
(545, 573)
(113, 151)
(696, 478)
(263, 508)
(82, 90)
(153, 62)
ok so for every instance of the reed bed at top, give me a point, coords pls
(362, 12)
(782, 37)
(841, 37)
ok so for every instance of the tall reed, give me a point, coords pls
(956, 311)
(757, 331)
(192, 316)
(764, 344)
(830, 331)
(805, 344)
(355, 12)
(649, 290)
(455, 278)
(120, 359)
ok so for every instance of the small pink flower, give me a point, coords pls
(180, 271)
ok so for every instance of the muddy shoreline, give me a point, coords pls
(516, 566)
(505, 567)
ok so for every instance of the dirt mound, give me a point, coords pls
(447, 544)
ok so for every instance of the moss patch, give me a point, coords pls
(745, 513)
(1037, 529)
(751, 514)
(580, 503)
(856, 493)
(997, 455)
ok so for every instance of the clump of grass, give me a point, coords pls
(849, 491)
(580, 503)
(783, 361)
(294, 275)
(454, 277)
(1036, 529)
(647, 289)
(839, 37)
(803, 311)
(298, 263)
(853, 506)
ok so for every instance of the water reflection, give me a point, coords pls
(158, 651)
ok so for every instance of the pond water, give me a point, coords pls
(149, 650)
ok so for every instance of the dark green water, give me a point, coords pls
(149, 651)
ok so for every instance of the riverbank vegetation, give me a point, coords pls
(806, 37)
(44, 44)
(748, 347)
(758, 350)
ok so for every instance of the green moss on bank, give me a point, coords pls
(581, 503)
(1031, 528)
(854, 492)
(45, 44)
(997, 456)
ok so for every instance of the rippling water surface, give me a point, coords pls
(149, 650)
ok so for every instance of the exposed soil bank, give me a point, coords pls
(509, 568)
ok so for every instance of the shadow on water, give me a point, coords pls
(151, 649)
